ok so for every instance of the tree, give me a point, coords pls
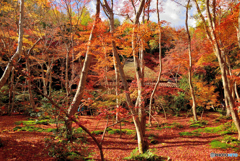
(190, 66)
(18, 53)
(137, 113)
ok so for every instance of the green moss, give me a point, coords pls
(29, 122)
(218, 144)
(169, 126)
(189, 134)
(43, 122)
(117, 131)
(97, 132)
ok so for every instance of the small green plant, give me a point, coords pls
(147, 156)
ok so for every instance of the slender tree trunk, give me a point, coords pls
(116, 87)
(136, 119)
(18, 53)
(66, 78)
(31, 99)
(83, 76)
(190, 66)
(160, 66)
(44, 79)
(32, 103)
(11, 92)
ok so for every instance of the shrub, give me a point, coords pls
(147, 156)
(62, 148)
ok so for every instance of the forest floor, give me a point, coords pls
(30, 146)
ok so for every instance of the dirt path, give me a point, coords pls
(29, 146)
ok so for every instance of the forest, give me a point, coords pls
(100, 80)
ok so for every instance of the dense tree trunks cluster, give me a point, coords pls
(220, 54)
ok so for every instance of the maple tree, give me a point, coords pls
(56, 46)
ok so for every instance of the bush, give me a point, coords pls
(147, 156)
(61, 148)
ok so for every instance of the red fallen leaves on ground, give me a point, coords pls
(29, 146)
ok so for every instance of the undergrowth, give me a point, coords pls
(223, 129)
(61, 148)
(123, 131)
(147, 156)
(226, 142)
(201, 123)
(169, 126)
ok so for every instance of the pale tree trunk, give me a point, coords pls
(222, 64)
(18, 53)
(83, 76)
(116, 88)
(160, 66)
(142, 145)
(190, 66)
(116, 68)
(139, 74)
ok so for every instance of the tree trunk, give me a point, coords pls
(190, 66)
(160, 67)
(136, 116)
(9, 111)
(18, 53)
(116, 87)
(66, 78)
(32, 103)
(83, 76)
